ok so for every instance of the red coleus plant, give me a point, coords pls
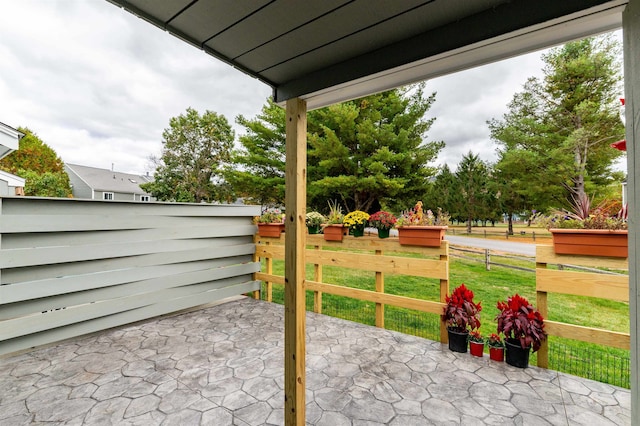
(461, 313)
(519, 320)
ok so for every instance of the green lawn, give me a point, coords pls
(593, 361)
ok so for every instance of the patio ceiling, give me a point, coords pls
(334, 50)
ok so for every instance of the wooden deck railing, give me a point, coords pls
(591, 284)
(434, 263)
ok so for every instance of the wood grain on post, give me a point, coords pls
(295, 238)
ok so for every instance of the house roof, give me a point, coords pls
(109, 181)
(4, 128)
(12, 180)
(9, 138)
(333, 50)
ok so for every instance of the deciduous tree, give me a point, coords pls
(39, 165)
(195, 149)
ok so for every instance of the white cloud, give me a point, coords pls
(99, 85)
(465, 101)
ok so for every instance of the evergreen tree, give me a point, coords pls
(257, 169)
(365, 153)
(507, 178)
(558, 130)
(371, 152)
(443, 192)
(472, 193)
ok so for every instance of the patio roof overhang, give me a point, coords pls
(318, 53)
(330, 51)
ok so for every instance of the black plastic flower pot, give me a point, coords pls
(516, 355)
(458, 341)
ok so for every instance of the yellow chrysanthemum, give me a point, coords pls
(355, 218)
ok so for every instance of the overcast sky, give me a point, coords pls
(99, 85)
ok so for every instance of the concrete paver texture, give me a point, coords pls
(223, 365)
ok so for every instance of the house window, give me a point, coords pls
(107, 196)
(145, 198)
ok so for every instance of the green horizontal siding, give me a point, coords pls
(71, 267)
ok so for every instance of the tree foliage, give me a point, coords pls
(557, 132)
(195, 149)
(370, 152)
(472, 197)
(39, 165)
(47, 184)
(366, 153)
(257, 171)
(443, 192)
(507, 179)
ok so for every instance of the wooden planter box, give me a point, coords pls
(334, 232)
(270, 229)
(590, 242)
(426, 236)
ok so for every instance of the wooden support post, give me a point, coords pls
(294, 269)
(269, 270)
(379, 289)
(487, 259)
(256, 258)
(444, 291)
(631, 53)
(317, 277)
(541, 302)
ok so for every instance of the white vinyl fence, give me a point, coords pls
(72, 267)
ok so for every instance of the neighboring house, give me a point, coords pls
(103, 184)
(10, 184)
(9, 141)
(9, 138)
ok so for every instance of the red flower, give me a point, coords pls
(382, 220)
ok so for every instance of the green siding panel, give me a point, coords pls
(70, 267)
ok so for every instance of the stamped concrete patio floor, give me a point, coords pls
(224, 366)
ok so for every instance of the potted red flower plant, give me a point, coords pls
(476, 343)
(523, 328)
(461, 314)
(496, 347)
(383, 221)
